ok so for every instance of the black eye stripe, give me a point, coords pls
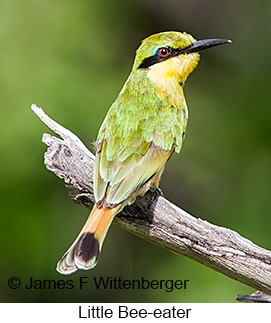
(156, 58)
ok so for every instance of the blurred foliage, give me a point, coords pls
(71, 58)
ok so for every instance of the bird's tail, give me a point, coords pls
(84, 252)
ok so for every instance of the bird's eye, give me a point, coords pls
(163, 52)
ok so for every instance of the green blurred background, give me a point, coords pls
(72, 58)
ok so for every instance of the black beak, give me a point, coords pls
(203, 44)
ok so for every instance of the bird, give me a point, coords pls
(142, 128)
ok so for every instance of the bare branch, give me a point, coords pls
(257, 297)
(156, 219)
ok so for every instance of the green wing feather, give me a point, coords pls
(138, 135)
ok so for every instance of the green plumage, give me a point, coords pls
(141, 130)
(145, 124)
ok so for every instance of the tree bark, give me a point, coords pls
(156, 219)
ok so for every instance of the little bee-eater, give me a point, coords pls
(141, 130)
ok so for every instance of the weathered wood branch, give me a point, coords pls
(257, 297)
(156, 219)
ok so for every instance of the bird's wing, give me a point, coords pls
(117, 180)
(137, 137)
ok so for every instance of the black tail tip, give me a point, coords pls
(87, 249)
(83, 255)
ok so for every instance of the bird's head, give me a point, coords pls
(171, 54)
